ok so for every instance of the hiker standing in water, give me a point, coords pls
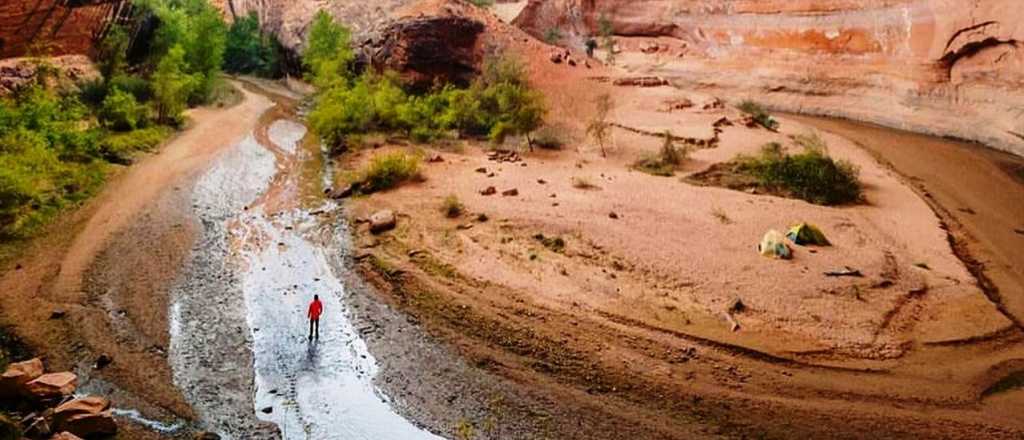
(315, 309)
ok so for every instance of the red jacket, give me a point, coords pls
(315, 309)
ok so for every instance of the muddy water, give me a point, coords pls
(240, 317)
(977, 191)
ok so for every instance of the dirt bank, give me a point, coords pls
(627, 316)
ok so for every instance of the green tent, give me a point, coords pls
(805, 234)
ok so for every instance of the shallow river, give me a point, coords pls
(276, 254)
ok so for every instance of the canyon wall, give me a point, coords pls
(945, 67)
(55, 27)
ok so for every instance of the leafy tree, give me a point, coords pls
(197, 27)
(172, 86)
(328, 54)
(599, 127)
(249, 50)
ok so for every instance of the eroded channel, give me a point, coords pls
(240, 316)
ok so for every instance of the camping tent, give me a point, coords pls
(805, 234)
(774, 245)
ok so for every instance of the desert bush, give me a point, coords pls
(550, 138)
(759, 113)
(482, 3)
(248, 50)
(387, 170)
(664, 163)
(811, 175)
(121, 112)
(452, 207)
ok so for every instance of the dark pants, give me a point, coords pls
(314, 328)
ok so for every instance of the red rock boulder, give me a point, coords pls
(17, 375)
(52, 386)
(85, 417)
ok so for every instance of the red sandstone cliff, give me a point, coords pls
(54, 27)
(947, 67)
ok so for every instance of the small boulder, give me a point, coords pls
(58, 314)
(556, 58)
(613, 215)
(382, 221)
(490, 190)
(267, 409)
(206, 436)
(65, 436)
(510, 192)
(341, 193)
(89, 405)
(435, 158)
(482, 170)
(18, 375)
(52, 386)
(91, 425)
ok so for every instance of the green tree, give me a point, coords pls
(249, 50)
(328, 54)
(172, 86)
(204, 50)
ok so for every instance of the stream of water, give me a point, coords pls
(277, 258)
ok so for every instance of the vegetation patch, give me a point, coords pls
(498, 104)
(810, 175)
(666, 161)
(452, 207)
(759, 114)
(387, 170)
(250, 51)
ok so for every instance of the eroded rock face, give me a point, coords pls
(426, 50)
(54, 27)
(946, 67)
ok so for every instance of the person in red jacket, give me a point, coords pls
(315, 309)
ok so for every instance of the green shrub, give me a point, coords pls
(666, 161)
(811, 175)
(248, 50)
(759, 113)
(138, 86)
(119, 147)
(483, 3)
(387, 170)
(452, 207)
(121, 112)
